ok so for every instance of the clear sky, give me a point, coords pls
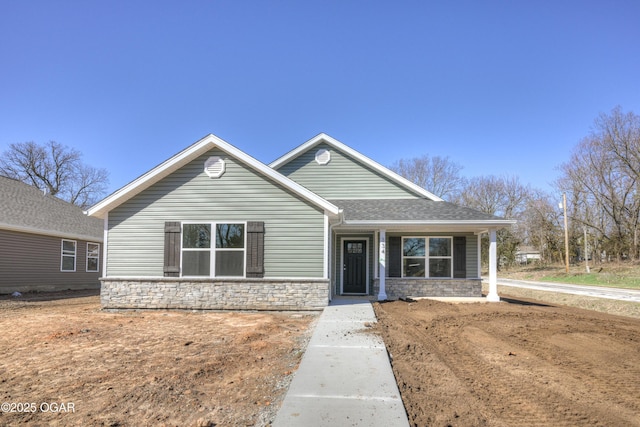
(501, 87)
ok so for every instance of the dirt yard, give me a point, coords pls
(512, 364)
(64, 362)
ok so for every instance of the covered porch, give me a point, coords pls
(390, 249)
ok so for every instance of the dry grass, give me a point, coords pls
(603, 305)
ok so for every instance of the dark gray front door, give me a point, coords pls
(354, 274)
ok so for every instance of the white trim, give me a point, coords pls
(487, 223)
(105, 242)
(326, 250)
(367, 279)
(322, 137)
(479, 244)
(190, 153)
(381, 262)
(493, 263)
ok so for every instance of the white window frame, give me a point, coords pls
(212, 250)
(64, 254)
(426, 256)
(96, 257)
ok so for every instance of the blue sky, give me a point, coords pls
(500, 87)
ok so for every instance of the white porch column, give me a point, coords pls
(493, 267)
(382, 251)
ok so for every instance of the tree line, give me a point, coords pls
(601, 180)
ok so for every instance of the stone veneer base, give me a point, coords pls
(412, 287)
(208, 294)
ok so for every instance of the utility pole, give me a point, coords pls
(566, 232)
(586, 249)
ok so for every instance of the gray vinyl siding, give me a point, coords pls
(342, 178)
(294, 229)
(32, 262)
(472, 256)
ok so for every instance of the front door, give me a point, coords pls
(354, 267)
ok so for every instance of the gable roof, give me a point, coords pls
(412, 212)
(26, 209)
(187, 155)
(386, 172)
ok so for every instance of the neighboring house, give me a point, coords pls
(46, 244)
(527, 254)
(214, 228)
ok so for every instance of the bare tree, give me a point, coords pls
(439, 175)
(56, 169)
(502, 196)
(603, 176)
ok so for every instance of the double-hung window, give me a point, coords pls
(213, 249)
(427, 257)
(68, 255)
(93, 257)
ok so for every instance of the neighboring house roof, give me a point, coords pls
(416, 212)
(190, 153)
(25, 208)
(324, 138)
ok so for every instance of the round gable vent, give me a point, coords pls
(214, 167)
(323, 156)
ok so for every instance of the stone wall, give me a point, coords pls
(208, 294)
(413, 287)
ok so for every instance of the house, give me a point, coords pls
(527, 254)
(214, 228)
(46, 244)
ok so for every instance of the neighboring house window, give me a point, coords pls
(68, 255)
(93, 257)
(427, 257)
(222, 256)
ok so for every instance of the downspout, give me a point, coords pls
(330, 251)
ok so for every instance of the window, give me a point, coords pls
(68, 255)
(426, 256)
(224, 258)
(93, 257)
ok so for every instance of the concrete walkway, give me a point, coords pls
(631, 295)
(344, 378)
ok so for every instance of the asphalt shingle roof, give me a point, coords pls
(408, 210)
(23, 206)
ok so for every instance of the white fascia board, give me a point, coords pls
(49, 233)
(174, 163)
(355, 154)
(477, 226)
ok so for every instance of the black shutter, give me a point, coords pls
(460, 257)
(394, 253)
(171, 249)
(255, 249)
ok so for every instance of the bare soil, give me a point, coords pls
(514, 363)
(519, 362)
(64, 362)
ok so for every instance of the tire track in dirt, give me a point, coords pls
(512, 365)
